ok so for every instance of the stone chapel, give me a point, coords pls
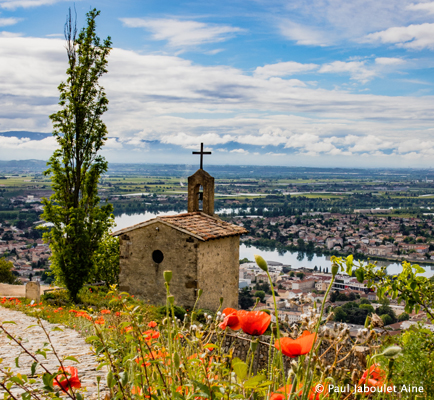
(199, 248)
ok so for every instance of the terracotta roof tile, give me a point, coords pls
(201, 225)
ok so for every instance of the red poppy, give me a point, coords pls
(105, 312)
(231, 319)
(280, 394)
(373, 377)
(254, 322)
(68, 379)
(319, 391)
(150, 334)
(294, 348)
(152, 324)
(375, 373)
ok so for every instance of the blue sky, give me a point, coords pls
(301, 82)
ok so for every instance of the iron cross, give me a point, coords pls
(201, 152)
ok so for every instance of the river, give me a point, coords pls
(294, 259)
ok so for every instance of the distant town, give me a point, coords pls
(376, 214)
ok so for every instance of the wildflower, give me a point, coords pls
(150, 334)
(128, 329)
(100, 321)
(294, 348)
(373, 377)
(280, 394)
(68, 379)
(231, 319)
(152, 324)
(105, 312)
(254, 322)
(153, 356)
(117, 313)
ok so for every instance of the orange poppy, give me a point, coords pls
(150, 334)
(231, 319)
(254, 322)
(280, 394)
(318, 391)
(105, 312)
(294, 348)
(68, 379)
(375, 376)
(152, 324)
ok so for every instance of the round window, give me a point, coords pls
(158, 256)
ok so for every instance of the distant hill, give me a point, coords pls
(26, 134)
(23, 166)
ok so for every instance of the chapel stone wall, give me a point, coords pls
(218, 272)
(142, 276)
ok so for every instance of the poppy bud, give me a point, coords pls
(392, 351)
(199, 293)
(335, 269)
(221, 301)
(254, 345)
(176, 360)
(171, 299)
(261, 263)
(167, 276)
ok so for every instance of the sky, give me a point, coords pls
(329, 83)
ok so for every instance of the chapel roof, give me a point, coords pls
(198, 224)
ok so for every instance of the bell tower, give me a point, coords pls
(201, 180)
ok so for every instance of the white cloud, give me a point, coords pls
(369, 143)
(283, 69)
(240, 151)
(15, 143)
(416, 37)
(189, 141)
(357, 70)
(303, 35)
(181, 33)
(388, 61)
(170, 99)
(9, 21)
(424, 7)
(14, 4)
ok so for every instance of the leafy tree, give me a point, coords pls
(367, 307)
(352, 296)
(334, 296)
(6, 274)
(387, 319)
(260, 294)
(340, 315)
(79, 222)
(403, 317)
(365, 301)
(106, 260)
(300, 275)
(350, 304)
(245, 299)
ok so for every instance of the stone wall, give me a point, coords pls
(7, 290)
(141, 276)
(218, 272)
(261, 360)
